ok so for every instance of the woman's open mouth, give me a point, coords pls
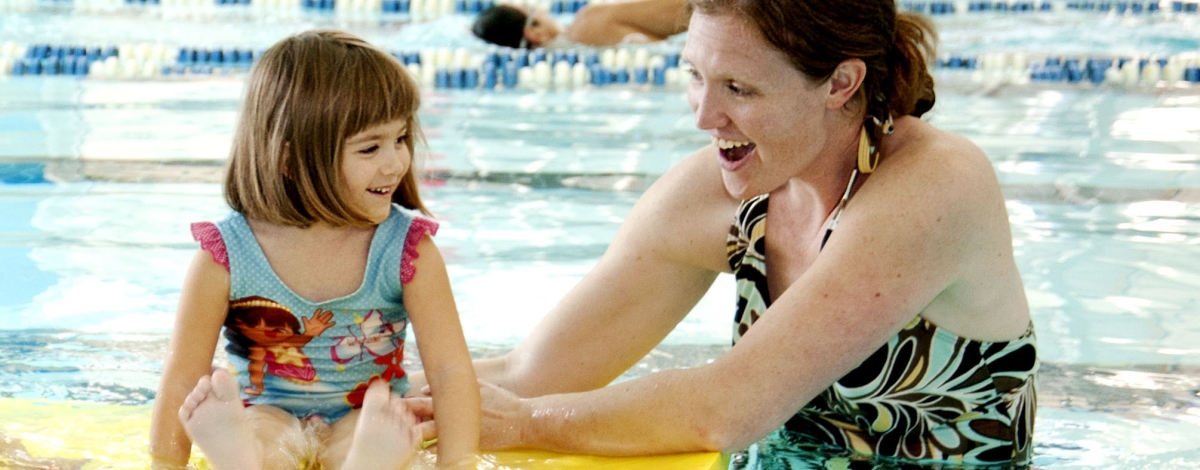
(734, 152)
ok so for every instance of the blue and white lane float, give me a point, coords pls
(1112, 7)
(424, 10)
(504, 68)
(397, 10)
(1128, 71)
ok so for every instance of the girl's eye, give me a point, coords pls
(369, 150)
(402, 139)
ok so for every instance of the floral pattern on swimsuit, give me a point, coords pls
(927, 394)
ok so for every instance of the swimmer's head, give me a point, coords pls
(516, 27)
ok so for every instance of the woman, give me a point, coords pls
(880, 310)
(597, 24)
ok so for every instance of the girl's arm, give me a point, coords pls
(202, 307)
(447, 364)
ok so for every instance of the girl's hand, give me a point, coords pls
(502, 416)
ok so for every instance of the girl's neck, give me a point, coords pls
(318, 232)
(294, 253)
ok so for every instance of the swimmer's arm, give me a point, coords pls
(202, 307)
(607, 24)
(447, 364)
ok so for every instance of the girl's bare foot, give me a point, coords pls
(215, 419)
(386, 436)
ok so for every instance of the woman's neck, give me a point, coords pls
(824, 181)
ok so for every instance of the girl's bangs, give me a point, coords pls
(383, 95)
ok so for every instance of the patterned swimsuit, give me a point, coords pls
(927, 394)
(315, 359)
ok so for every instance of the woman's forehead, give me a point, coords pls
(729, 42)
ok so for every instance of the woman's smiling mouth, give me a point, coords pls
(734, 152)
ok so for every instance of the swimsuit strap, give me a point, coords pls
(841, 205)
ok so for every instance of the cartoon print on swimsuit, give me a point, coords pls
(271, 337)
(374, 337)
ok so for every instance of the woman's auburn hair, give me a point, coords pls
(306, 95)
(818, 35)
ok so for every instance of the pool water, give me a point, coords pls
(100, 179)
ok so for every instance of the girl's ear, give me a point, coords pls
(845, 82)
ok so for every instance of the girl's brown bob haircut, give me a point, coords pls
(306, 95)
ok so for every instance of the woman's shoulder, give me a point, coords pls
(926, 160)
(686, 213)
(694, 182)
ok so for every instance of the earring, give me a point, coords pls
(868, 157)
(888, 127)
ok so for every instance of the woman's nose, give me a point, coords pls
(708, 111)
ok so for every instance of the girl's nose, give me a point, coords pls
(394, 160)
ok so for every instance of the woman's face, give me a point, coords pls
(765, 117)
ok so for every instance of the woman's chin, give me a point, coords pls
(737, 187)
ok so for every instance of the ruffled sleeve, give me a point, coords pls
(210, 240)
(416, 231)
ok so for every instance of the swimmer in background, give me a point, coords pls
(597, 24)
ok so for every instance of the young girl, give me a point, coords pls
(313, 278)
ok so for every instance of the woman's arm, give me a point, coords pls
(662, 260)
(447, 364)
(202, 307)
(900, 244)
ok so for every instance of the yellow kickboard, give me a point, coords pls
(73, 434)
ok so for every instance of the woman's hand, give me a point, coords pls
(503, 416)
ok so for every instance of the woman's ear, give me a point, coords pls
(847, 78)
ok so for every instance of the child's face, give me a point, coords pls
(373, 163)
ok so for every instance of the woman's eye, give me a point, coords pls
(737, 89)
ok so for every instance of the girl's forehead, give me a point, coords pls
(379, 130)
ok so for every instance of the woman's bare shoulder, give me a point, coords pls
(939, 164)
(686, 213)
